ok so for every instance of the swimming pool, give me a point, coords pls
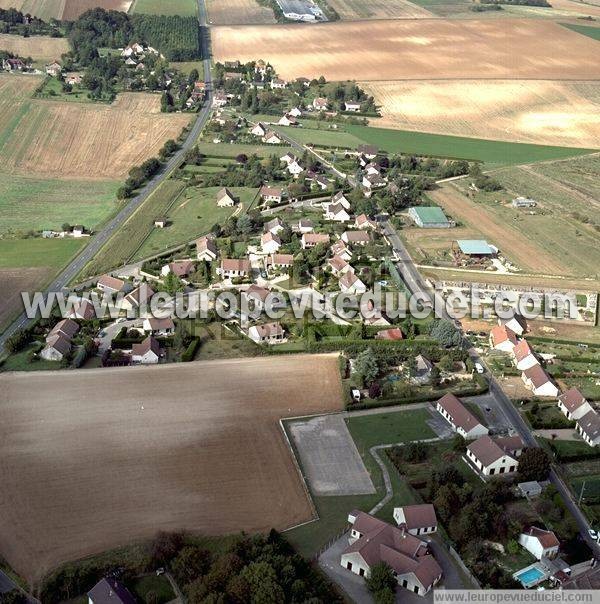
(530, 576)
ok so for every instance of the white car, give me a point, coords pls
(479, 368)
(593, 534)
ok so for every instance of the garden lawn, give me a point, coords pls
(26, 253)
(158, 585)
(183, 8)
(491, 152)
(389, 428)
(38, 204)
(192, 215)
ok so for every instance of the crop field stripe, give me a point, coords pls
(590, 32)
(458, 147)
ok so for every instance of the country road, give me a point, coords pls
(103, 236)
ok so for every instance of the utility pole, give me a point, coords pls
(581, 493)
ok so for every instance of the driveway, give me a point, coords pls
(111, 331)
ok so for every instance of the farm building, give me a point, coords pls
(373, 541)
(429, 217)
(493, 456)
(476, 248)
(459, 417)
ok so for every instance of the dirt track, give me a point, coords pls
(429, 49)
(96, 458)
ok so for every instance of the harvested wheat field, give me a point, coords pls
(543, 112)
(353, 10)
(66, 139)
(39, 48)
(428, 49)
(238, 12)
(74, 8)
(193, 446)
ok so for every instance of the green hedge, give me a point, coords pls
(190, 352)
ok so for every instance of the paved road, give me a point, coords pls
(102, 237)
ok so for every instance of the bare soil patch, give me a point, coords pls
(426, 49)
(67, 139)
(93, 459)
(542, 112)
(238, 12)
(512, 244)
(352, 10)
(39, 48)
(13, 281)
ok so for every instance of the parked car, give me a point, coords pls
(479, 368)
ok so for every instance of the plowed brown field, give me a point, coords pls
(39, 48)
(93, 459)
(352, 10)
(13, 281)
(67, 139)
(426, 49)
(62, 9)
(238, 12)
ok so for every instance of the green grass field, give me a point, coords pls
(132, 234)
(226, 150)
(26, 253)
(491, 152)
(590, 32)
(37, 203)
(325, 136)
(183, 8)
(193, 214)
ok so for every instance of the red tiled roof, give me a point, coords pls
(572, 399)
(522, 350)
(501, 333)
(419, 516)
(461, 416)
(537, 376)
(546, 538)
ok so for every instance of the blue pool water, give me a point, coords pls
(530, 577)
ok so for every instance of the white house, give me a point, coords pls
(304, 225)
(336, 212)
(57, 347)
(271, 194)
(288, 120)
(278, 83)
(272, 138)
(363, 222)
(268, 333)
(339, 266)
(418, 519)
(278, 261)
(180, 268)
(524, 356)
(495, 456)
(352, 106)
(340, 198)
(294, 168)
(373, 541)
(109, 590)
(538, 381)
(148, 352)
(259, 130)
(257, 295)
(140, 296)
(270, 243)
(517, 324)
(502, 338)
(339, 248)
(573, 404)
(274, 226)
(319, 104)
(206, 249)
(234, 267)
(295, 112)
(111, 285)
(356, 237)
(159, 326)
(83, 310)
(459, 417)
(588, 426)
(225, 198)
(350, 284)
(312, 239)
(540, 543)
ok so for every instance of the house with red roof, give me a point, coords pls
(459, 417)
(373, 541)
(540, 543)
(524, 356)
(539, 382)
(419, 519)
(495, 456)
(502, 338)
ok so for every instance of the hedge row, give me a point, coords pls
(555, 341)
(190, 352)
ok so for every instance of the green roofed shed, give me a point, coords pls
(429, 217)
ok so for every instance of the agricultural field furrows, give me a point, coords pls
(212, 459)
(542, 112)
(39, 48)
(183, 8)
(238, 12)
(354, 10)
(431, 49)
(62, 9)
(74, 8)
(70, 140)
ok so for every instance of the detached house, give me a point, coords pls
(502, 338)
(271, 194)
(350, 284)
(538, 381)
(270, 243)
(363, 222)
(147, 352)
(573, 404)
(259, 130)
(311, 239)
(339, 266)
(373, 541)
(83, 310)
(159, 327)
(460, 418)
(110, 591)
(524, 356)
(336, 212)
(304, 225)
(356, 237)
(278, 261)
(320, 104)
(112, 285)
(340, 198)
(272, 138)
(58, 340)
(588, 426)
(352, 106)
(340, 249)
(517, 324)
(274, 226)
(418, 519)
(54, 69)
(225, 198)
(233, 267)
(180, 268)
(288, 120)
(268, 333)
(206, 249)
(540, 543)
(138, 297)
(494, 456)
